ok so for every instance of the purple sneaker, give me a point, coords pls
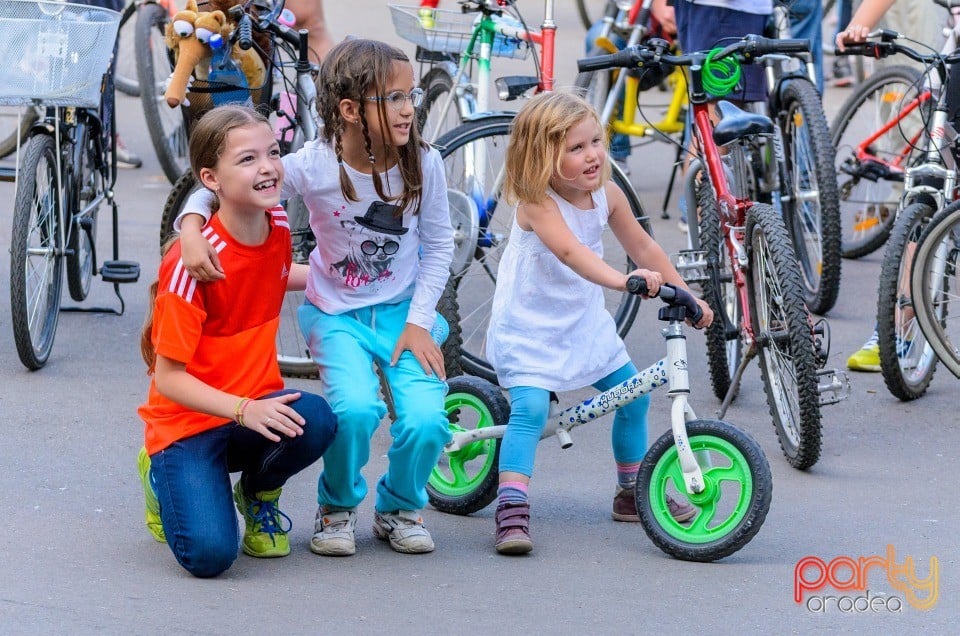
(513, 528)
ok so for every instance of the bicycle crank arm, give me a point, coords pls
(835, 389)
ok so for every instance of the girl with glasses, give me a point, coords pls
(378, 207)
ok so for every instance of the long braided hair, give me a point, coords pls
(351, 70)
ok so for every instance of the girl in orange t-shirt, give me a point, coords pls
(216, 403)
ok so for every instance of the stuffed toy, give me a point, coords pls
(197, 38)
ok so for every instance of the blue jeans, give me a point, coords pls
(191, 478)
(345, 346)
(529, 407)
(806, 21)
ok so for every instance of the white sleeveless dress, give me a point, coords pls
(549, 327)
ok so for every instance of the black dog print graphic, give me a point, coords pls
(374, 240)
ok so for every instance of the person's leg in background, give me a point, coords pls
(842, 72)
(309, 15)
(806, 22)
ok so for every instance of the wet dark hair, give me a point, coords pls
(351, 70)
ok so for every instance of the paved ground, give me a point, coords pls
(77, 559)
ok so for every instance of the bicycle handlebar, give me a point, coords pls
(748, 50)
(888, 46)
(670, 295)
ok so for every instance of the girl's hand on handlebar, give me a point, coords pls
(853, 34)
(707, 319)
(271, 416)
(653, 279)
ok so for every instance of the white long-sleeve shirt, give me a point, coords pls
(352, 266)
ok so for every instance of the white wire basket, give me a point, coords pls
(449, 32)
(56, 53)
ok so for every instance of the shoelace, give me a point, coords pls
(267, 517)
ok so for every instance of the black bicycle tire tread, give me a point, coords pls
(448, 307)
(941, 224)
(493, 400)
(436, 79)
(799, 333)
(147, 17)
(805, 93)
(76, 285)
(749, 526)
(711, 241)
(888, 295)
(31, 358)
(179, 193)
(846, 114)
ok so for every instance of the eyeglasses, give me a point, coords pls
(397, 98)
(389, 246)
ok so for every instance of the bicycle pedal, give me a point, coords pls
(835, 389)
(120, 271)
(692, 265)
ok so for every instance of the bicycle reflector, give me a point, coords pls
(720, 76)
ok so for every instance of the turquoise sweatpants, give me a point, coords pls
(529, 408)
(346, 346)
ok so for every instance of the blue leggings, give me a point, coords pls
(529, 407)
(345, 346)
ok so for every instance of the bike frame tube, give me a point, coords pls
(897, 164)
(670, 370)
(732, 211)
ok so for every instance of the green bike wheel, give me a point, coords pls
(465, 480)
(730, 510)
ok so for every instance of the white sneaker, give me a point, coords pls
(333, 533)
(405, 531)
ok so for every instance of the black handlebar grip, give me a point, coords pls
(792, 46)
(637, 285)
(245, 33)
(627, 58)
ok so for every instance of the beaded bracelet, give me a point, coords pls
(238, 410)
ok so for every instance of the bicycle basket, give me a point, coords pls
(449, 31)
(57, 53)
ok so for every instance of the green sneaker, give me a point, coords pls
(867, 358)
(152, 506)
(263, 536)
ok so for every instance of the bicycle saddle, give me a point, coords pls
(736, 124)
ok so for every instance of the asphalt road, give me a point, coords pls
(77, 559)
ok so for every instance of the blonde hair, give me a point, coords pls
(537, 141)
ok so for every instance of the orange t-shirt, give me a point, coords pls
(224, 331)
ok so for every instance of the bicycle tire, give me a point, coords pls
(125, 74)
(466, 480)
(867, 206)
(36, 256)
(724, 352)
(907, 368)
(437, 84)
(167, 126)
(935, 267)
(730, 511)
(812, 207)
(16, 119)
(587, 10)
(784, 337)
(476, 283)
(81, 191)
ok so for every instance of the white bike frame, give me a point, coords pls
(671, 370)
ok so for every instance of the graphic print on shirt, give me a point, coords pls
(373, 242)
